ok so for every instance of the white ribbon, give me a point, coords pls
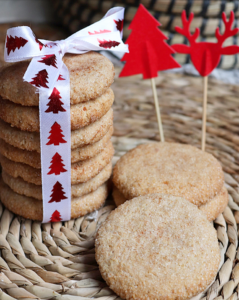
(50, 76)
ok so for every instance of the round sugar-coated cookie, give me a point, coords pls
(31, 140)
(118, 197)
(80, 171)
(170, 168)
(31, 208)
(26, 118)
(22, 187)
(211, 209)
(33, 158)
(89, 151)
(216, 206)
(157, 247)
(91, 74)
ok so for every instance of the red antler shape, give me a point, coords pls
(228, 31)
(205, 56)
(185, 29)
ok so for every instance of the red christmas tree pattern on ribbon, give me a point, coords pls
(119, 24)
(108, 44)
(49, 60)
(99, 32)
(148, 51)
(56, 136)
(57, 193)
(55, 104)
(56, 217)
(60, 78)
(205, 56)
(40, 79)
(13, 43)
(56, 167)
(40, 44)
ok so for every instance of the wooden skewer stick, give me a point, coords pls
(204, 119)
(157, 110)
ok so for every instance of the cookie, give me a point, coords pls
(118, 197)
(89, 151)
(31, 208)
(33, 158)
(157, 247)
(91, 74)
(22, 187)
(211, 209)
(169, 168)
(80, 171)
(216, 206)
(26, 118)
(31, 140)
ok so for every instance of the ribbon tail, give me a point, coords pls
(55, 134)
(43, 71)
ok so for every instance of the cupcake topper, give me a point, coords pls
(149, 53)
(205, 56)
(50, 76)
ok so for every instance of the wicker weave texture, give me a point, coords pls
(56, 261)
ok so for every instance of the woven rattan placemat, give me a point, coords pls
(56, 261)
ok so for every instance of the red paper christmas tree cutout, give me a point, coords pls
(108, 44)
(148, 52)
(56, 166)
(57, 193)
(56, 136)
(119, 24)
(99, 32)
(55, 104)
(56, 217)
(13, 43)
(40, 79)
(205, 56)
(40, 44)
(49, 60)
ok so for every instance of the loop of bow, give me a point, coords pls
(21, 44)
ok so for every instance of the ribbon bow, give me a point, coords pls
(22, 44)
(50, 76)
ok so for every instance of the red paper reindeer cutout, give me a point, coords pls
(205, 56)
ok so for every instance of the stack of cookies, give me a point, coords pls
(174, 169)
(91, 97)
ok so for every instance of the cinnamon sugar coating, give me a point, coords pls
(157, 247)
(31, 140)
(80, 171)
(91, 74)
(215, 206)
(26, 118)
(212, 209)
(31, 208)
(33, 158)
(25, 188)
(170, 168)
